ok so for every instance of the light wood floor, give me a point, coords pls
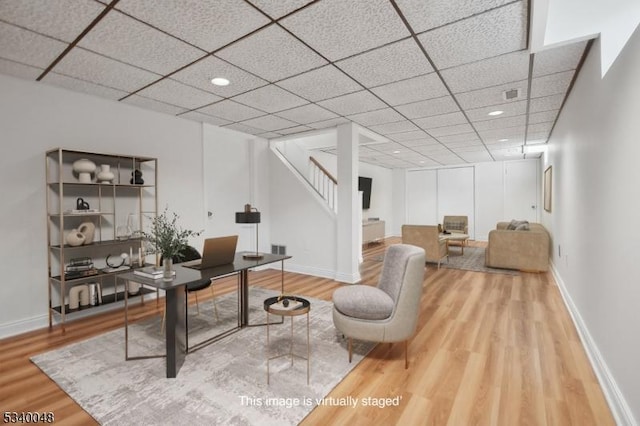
(490, 349)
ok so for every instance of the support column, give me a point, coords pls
(349, 222)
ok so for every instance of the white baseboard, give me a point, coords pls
(23, 326)
(617, 403)
(306, 270)
(348, 278)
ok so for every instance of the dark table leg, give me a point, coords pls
(244, 297)
(176, 330)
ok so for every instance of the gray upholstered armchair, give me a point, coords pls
(388, 312)
(458, 224)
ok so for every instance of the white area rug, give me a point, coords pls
(224, 383)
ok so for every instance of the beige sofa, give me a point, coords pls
(426, 237)
(526, 250)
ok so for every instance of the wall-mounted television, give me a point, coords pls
(364, 185)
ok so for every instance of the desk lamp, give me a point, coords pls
(250, 215)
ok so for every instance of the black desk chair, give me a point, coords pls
(190, 253)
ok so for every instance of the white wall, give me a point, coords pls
(594, 152)
(489, 197)
(35, 117)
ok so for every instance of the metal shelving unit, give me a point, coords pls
(116, 202)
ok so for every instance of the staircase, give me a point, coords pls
(324, 183)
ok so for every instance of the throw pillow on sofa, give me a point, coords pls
(513, 225)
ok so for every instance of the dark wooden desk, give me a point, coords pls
(176, 336)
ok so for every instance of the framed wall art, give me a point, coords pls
(547, 189)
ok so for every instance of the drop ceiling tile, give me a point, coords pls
(488, 72)
(334, 122)
(390, 128)
(428, 108)
(476, 157)
(353, 103)
(540, 127)
(89, 66)
(409, 136)
(559, 59)
(269, 123)
(322, 83)
(461, 137)
(232, 111)
(28, 48)
(199, 22)
(426, 14)
(200, 74)
(427, 141)
(277, 9)
(476, 147)
(546, 103)
(509, 110)
(306, 114)
(198, 116)
(19, 70)
(294, 130)
(175, 93)
(270, 135)
(326, 25)
(451, 130)
(467, 145)
(270, 98)
(83, 86)
(414, 89)
(551, 84)
(386, 147)
(508, 133)
(381, 116)
(396, 61)
(537, 136)
(441, 120)
(493, 33)
(153, 50)
(244, 129)
(543, 117)
(492, 95)
(271, 53)
(154, 105)
(501, 123)
(64, 20)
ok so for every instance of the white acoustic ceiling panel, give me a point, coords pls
(441, 120)
(63, 20)
(552, 84)
(327, 24)
(396, 61)
(428, 108)
(389, 128)
(381, 116)
(543, 117)
(28, 48)
(306, 114)
(74, 84)
(269, 123)
(508, 110)
(546, 103)
(493, 95)
(409, 136)
(321, 83)
(244, 128)
(175, 93)
(271, 53)
(501, 123)
(270, 98)
(19, 70)
(451, 130)
(558, 59)
(152, 50)
(203, 23)
(411, 90)
(200, 74)
(294, 130)
(325, 124)
(154, 105)
(198, 116)
(426, 14)
(496, 32)
(277, 9)
(353, 103)
(89, 66)
(232, 111)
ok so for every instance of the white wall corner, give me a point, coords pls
(23, 326)
(617, 403)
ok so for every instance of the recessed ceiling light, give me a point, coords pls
(421, 161)
(496, 112)
(503, 140)
(220, 81)
(396, 152)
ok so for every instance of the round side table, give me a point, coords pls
(274, 306)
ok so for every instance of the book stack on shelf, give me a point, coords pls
(79, 267)
(153, 272)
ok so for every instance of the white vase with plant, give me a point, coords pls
(169, 239)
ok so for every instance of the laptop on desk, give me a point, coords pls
(216, 252)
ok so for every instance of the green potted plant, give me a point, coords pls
(168, 239)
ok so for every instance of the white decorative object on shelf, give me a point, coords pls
(75, 238)
(105, 175)
(88, 229)
(84, 168)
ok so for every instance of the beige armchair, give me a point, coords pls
(458, 224)
(426, 237)
(388, 312)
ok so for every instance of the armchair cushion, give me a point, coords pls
(363, 302)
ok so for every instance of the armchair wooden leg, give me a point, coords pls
(350, 349)
(406, 354)
(197, 304)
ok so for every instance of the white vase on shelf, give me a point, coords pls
(75, 238)
(84, 168)
(88, 229)
(105, 175)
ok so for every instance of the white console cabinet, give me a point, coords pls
(372, 231)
